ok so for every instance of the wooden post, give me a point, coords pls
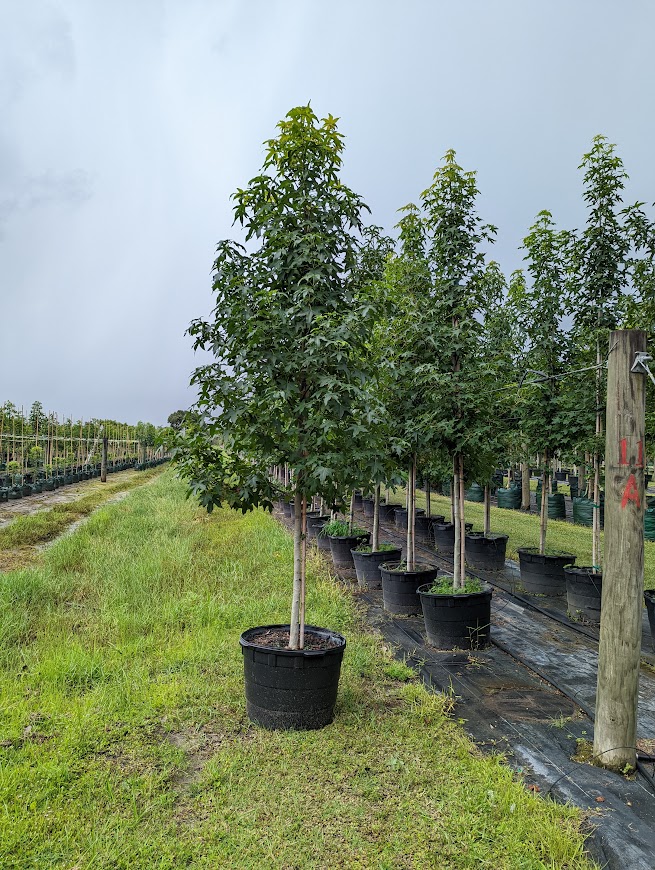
(103, 463)
(623, 576)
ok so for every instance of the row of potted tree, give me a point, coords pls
(354, 364)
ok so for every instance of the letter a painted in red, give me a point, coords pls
(630, 493)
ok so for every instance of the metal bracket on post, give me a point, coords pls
(641, 364)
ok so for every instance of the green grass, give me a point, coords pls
(523, 531)
(47, 524)
(124, 741)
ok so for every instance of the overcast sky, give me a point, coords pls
(125, 125)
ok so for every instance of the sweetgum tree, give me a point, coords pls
(289, 335)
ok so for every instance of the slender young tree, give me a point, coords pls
(290, 339)
(547, 356)
(465, 288)
(610, 261)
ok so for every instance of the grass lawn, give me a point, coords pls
(523, 531)
(124, 741)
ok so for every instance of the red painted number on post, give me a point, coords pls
(624, 453)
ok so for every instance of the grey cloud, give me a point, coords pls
(63, 188)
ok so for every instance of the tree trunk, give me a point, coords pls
(351, 515)
(596, 554)
(303, 571)
(375, 542)
(525, 486)
(294, 634)
(487, 510)
(582, 476)
(455, 502)
(543, 514)
(462, 528)
(411, 513)
(428, 491)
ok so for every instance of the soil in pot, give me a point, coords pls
(486, 552)
(583, 593)
(543, 575)
(291, 689)
(457, 620)
(367, 565)
(399, 586)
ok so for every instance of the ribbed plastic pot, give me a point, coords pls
(510, 499)
(291, 689)
(561, 475)
(400, 517)
(315, 524)
(400, 587)
(457, 621)
(49, 484)
(573, 487)
(649, 599)
(444, 536)
(76, 477)
(486, 553)
(388, 512)
(423, 527)
(37, 488)
(367, 566)
(368, 506)
(15, 493)
(28, 489)
(342, 547)
(543, 575)
(4, 493)
(583, 593)
(358, 499)
(287, 507)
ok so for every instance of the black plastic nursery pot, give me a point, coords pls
(423, 527)
(388, 512)
(291, 689)
(543, 575)
(400, 587)
(368, 506)
(400, 516)
(287, 507)
(444, 536)
(342, 547)
(457, 621)
(315, 524)
(486, 552)
(358, 499)
(649, 599)
(583, 593)
(367, 566)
